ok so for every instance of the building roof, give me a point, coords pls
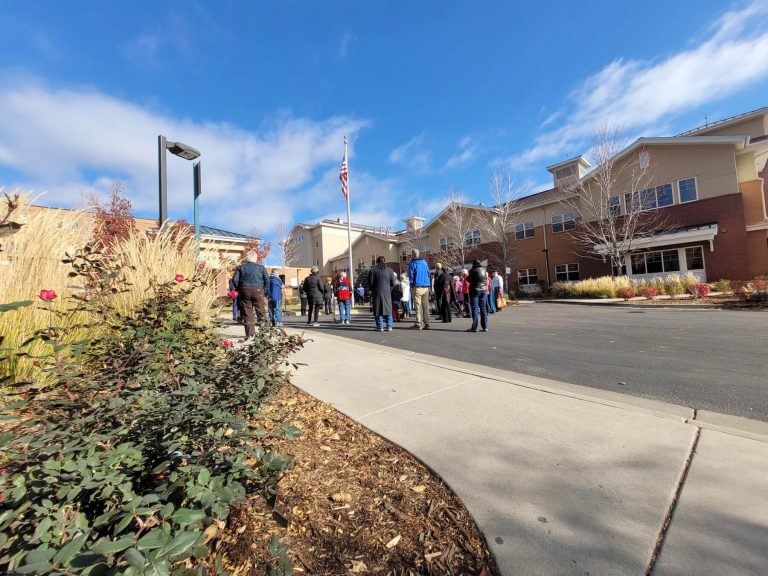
(580, 158)
(219, 233)
(725, 121)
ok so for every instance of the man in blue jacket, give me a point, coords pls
(275, 297)
(418, 274)
(251, 280)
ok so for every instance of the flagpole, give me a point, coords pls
(349, 228)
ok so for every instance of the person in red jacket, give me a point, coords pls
(343, 290)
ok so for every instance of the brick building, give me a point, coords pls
(709, 184)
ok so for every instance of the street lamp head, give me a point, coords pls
(182, 150)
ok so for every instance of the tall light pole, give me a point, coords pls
(188, 153)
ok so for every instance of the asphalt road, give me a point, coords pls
(706, 359)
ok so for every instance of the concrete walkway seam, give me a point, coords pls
(673, 502)
(594, 396)
(415, 398)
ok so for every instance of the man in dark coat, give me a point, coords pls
(381, 280)
(251, 279)
(444, 293)
(313, 286)
(477, 295)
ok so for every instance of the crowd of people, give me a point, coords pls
(473, 293)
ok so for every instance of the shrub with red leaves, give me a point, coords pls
(698, 290)
(649, 292)
(626, 293)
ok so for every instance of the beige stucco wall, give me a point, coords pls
(367, 248)
(754, 201)
(754, 127)
(713, 166)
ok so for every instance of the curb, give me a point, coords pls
(756, 430)
(636, 306)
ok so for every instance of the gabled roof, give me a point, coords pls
(725, 122)
(224, 234)
(391, 238)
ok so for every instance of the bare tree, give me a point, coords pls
(497, 224)
(289, 249)
(458, 220)
(615, 205)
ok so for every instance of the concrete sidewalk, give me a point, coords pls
(563, 479)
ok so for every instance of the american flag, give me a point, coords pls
(343, 173)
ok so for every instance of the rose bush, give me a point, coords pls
(134, 443)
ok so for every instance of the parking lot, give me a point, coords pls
(706, 359)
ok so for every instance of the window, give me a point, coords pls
(566, 272)
(472, 238)
(317, 244)
(373, 260)
(524, 230)
(650, 198)
(563, 222)
(446, 243)
(664, 195)
(566, 172)
(360, 263)
(528, 276)
(656, 262)
(301, 256)
(687, 189)
(300, 238)
(405, 255)
(614, 206)
(694, 258)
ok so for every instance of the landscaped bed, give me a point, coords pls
(354, 503)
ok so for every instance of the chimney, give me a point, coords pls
(338, 220)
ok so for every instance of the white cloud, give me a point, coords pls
(412, 155)
(62, 140)
(467, 151)
(639, 94)
(348, 39)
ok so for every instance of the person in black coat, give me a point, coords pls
(444, 293)
(381, 280)
(478, 295)
(313, 286)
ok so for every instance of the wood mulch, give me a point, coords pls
(356, 504)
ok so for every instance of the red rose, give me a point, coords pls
(160, 476)
(48, 295)
(226, 343)
(179, 278)
(233, 294)
(2, 498)
(24, 395)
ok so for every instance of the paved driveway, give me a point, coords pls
(706, 359)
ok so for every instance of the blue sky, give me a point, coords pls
(432, 94)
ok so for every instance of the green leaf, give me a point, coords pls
(181, 544)
(135, 558)
(68, 552)
(185, 516)
(112, 546)
(15, 305)
(155, 538)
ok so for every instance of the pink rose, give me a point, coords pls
(179, 278)
(233, 294)
(48, 295)
(226, 343)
